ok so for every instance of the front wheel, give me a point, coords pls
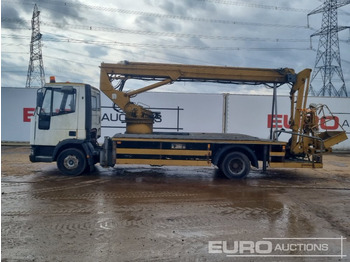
(71, 162)
(235, 165)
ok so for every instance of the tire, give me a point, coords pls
(235, 165)
(71, 162)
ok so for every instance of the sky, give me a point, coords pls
(78, 35)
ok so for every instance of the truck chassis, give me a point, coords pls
(233, 154)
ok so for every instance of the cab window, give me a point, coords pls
(63, 102)
(59, 101)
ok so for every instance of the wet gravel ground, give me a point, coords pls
(141, 213)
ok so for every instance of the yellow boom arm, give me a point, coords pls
(140, 120)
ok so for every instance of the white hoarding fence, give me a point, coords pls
(175, 113)
(251, 115)
(17, 106)
(184, 112)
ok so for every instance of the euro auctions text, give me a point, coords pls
(280, 247)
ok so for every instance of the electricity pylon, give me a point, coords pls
(328, 62)
(36, 74)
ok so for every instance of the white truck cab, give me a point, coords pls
(66, 125)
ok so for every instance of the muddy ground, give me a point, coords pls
(173, 213)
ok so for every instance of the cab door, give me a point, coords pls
(56, 116)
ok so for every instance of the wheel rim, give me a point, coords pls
(236, 166)
(71, 162)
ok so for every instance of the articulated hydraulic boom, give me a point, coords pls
(139, 120)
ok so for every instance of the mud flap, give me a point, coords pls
(108, 153)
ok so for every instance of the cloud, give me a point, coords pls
(62, 12)
(96, 51)
(11, 18)
(272, 34)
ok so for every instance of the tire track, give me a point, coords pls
(36, 192)
(95, 195)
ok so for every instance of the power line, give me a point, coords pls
(103, 43)
(167, 16)
(231, 38)
(257, 5)
(278, 25)
(169, 34)
(167, 46)
(71, 61)
(113, 9)
(15, 52)
(152, 45)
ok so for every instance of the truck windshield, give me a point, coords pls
(58, 101)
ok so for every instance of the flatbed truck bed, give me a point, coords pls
(198, 149)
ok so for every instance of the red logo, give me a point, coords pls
(27, 113)
(282, 121)
(329, 122)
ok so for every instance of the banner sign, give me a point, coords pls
(174, 112)
(184, 112)
(251, 115)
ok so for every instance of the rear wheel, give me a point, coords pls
(71, 162)
(235, 165)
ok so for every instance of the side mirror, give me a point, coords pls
(39, 98)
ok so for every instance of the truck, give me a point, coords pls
(66, 124)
